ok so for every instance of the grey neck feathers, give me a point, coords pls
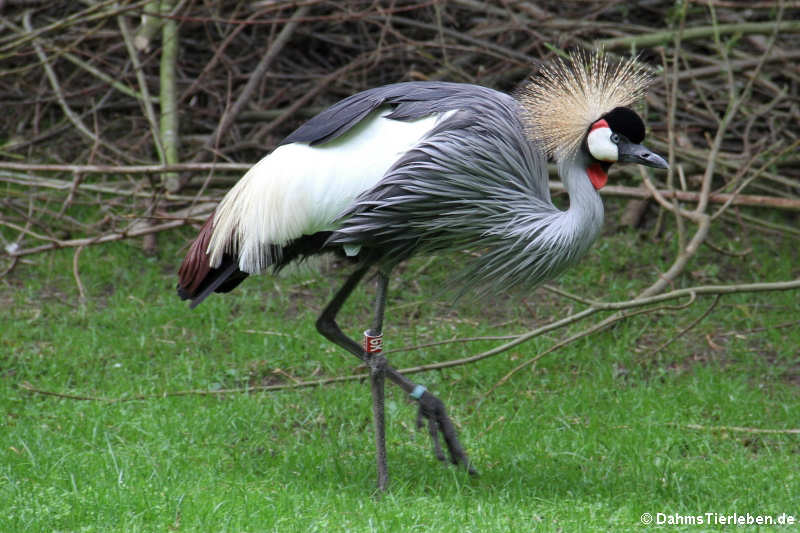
(582, 223)
(529, 240)
(533, 241)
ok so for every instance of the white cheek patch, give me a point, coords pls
(599, 143)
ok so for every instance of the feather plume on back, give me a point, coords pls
(567, 96)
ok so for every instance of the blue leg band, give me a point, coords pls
(418, 391)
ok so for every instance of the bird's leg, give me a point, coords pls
(430, 407)
(327, 326)
(373, 346)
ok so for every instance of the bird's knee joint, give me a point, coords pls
(326, 327)
(377, 364)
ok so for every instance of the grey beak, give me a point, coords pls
(636, 153)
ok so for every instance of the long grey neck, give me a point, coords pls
(538, 244)
(582, 223)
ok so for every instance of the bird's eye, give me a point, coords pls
(614, 138)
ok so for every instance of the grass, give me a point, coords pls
(588, 439)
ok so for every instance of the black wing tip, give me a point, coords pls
(186, 295)
(183, 294)
(220, 277)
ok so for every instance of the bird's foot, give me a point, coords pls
(432, 409)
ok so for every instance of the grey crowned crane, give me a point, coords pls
(421, 167)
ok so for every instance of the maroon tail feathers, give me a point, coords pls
(197, 279)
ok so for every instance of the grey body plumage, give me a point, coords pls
(477, 181)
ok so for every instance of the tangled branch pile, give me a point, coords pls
(149, 110)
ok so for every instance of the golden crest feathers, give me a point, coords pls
(566, 97)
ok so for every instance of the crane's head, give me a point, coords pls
(582, 105)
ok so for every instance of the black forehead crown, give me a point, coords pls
(625, 121)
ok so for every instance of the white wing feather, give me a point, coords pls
(300, 189)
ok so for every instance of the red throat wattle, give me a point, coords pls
(597, 175)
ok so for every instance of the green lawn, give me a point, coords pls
(588, 439)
